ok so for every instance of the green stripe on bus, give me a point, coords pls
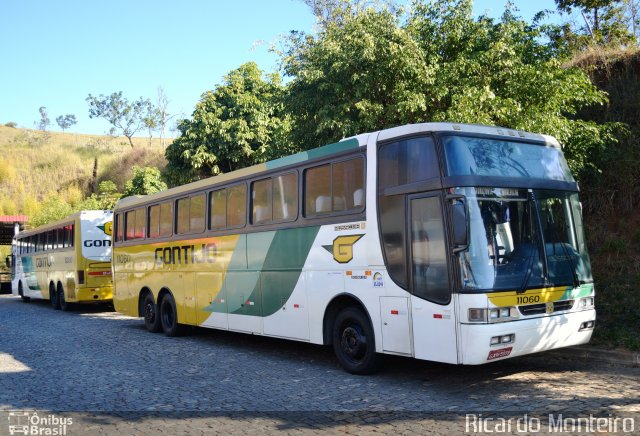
(314, 153)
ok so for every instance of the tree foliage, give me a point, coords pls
(124, 116)
(44, 119)
(376, 70)
(239, 123)
(145, 180)
(66, 121)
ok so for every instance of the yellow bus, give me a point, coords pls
(446, 242)
(67, 261)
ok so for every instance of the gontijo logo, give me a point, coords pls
(107, 228)
(342, 247)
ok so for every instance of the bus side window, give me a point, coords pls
(237, 206)
(119, 228)
(166, 218)
(285, 197)
(317, 190)
(261, 192)
(141, 223)
(130, 225)
(182, 226)
(218, 209)
(196, 214)
(154, 221)
(347, 180)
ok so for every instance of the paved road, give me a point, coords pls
(110, 376)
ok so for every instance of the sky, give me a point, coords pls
(56, 53)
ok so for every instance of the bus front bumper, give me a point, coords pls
(530, 336)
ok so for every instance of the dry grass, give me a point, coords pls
(36, 165)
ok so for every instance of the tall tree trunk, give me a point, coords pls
(130, 141)
(595, 20)
(93, 184)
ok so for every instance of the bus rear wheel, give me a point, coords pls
(53, 297)
(64, 306)
(354, 343)
(169, 317)
(150, 313)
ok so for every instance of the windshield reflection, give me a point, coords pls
(519, 238)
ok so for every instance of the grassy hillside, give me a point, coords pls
(611, 199)
(36, 166)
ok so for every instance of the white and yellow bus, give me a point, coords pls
(446, 242)
(67, 261)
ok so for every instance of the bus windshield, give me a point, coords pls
(479, 156)
(522, 239)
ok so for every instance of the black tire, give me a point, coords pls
(64, 306)
(354, 342)
(169, 317)
(53, 297)
(150, 314)
(21, 293)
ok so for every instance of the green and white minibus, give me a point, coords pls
(446, 242)
(67, 261)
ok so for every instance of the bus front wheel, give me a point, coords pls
(150, 313)
(169, 317)
(21, 293)
(354, 343)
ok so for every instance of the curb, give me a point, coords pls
(615, 357)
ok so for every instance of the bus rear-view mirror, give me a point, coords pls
(460, 227)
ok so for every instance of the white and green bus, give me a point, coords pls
(67, 261)
(446, 242)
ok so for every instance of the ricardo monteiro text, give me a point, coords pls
(186, 254)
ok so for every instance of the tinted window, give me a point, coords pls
(119, 227)
(131, 225)
(318, 190)
(262, 207)
(348, 184)
(237, 206)
(154, 221)
(196, 214)
(407, 161)
(285, 197)
(218, 209)
(392, 224)
(166, 218)
(141, 221)
(183, 216)
(428, 251)
(335, 187)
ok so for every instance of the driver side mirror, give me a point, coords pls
(460, 223)
(8, 261)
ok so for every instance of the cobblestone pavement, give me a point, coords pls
(110, 376)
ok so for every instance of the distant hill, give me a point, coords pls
(35, 165)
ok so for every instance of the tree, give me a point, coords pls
(145, 180)
(608, 22)
(359, 74)
(239, 123)
(151, 120)
(162, 104)
(125, 116)
(44, 119)
(66, 121)
(376, 70)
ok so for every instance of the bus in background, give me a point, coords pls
(67, 261)
(453, 243)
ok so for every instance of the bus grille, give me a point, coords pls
(539, 309)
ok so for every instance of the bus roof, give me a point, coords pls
(343, 145)
(58, 223)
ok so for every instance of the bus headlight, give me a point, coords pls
(477, 315)
(586, 302)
